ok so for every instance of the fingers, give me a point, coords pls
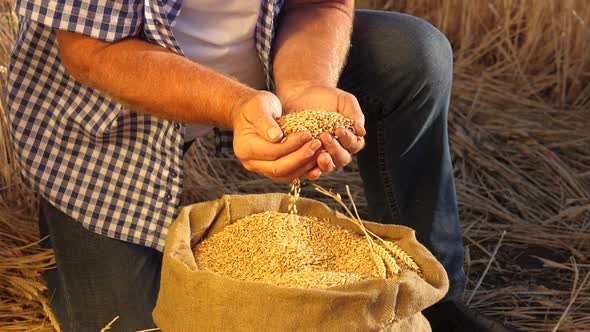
(262, 149)
(257, 148)
(349, 141)
(325, 162)
(291, 166)
(349, 106)
(339, 156)
(313, 174)
(261, 111)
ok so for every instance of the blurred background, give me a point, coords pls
(520, 141)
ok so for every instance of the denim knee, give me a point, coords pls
(404, 52)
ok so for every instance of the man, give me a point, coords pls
(104, 96)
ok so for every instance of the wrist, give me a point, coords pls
(287, 91)
(238, 102)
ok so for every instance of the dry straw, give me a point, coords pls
(520, 142)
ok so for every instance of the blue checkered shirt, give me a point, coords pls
(117, 171)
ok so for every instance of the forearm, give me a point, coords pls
(151, 79)
(311, 45)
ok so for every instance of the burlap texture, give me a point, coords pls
(194, 300)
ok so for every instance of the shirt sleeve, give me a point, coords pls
(107, 20)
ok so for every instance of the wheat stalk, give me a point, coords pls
(388, 259)
(384, 258)
(401, 255)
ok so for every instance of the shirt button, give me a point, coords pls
(177, 126)
(157, 22)
(173, 174)
(167, 197)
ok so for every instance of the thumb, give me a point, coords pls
(261, 112)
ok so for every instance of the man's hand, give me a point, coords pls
(309, 52)
(258, 140)
(337, 151)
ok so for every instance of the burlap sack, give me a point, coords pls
(194, 300)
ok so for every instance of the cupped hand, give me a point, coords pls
(259, 143)
(337, 151)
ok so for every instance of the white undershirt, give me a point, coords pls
(219, 34)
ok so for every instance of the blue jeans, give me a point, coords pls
(400, 69)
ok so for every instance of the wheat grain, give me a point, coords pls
(314, 121)
(294, 192)
(288, 250)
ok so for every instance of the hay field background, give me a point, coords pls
(520, 141)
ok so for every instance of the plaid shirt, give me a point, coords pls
(117, 171)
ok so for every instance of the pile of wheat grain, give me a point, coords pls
(295, 251)
(314, 121)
